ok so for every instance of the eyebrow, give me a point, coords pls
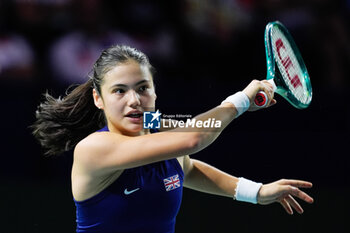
(124, 85)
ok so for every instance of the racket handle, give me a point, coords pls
(261, 99)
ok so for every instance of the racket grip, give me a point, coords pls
(260, 99)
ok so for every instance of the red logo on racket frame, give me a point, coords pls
(287, 64)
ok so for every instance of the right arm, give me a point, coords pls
(111, 151)
(108, 152)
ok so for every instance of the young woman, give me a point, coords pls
(127, 179)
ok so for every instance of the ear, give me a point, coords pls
(97, 99)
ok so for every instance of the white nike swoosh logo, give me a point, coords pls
(126, 192)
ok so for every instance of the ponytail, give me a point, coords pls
(61, 123)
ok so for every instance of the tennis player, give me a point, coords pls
(127, 179)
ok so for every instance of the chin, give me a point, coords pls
(135, 129)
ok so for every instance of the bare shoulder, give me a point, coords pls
(92, 143)
(100, 138)
(100, 141)
(89, 176)
(91, 149)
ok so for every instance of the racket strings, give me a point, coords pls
(288, 65)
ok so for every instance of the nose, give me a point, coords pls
(133, 99)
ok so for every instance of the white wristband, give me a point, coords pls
(247, 190)
(240, 101)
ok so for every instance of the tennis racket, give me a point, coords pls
(286, 70)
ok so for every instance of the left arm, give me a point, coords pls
(205, 178)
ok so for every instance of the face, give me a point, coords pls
(127, 91)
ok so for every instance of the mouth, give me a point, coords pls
(134, 114)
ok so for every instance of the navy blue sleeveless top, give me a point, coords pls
(143, 199)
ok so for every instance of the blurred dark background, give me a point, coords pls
(203, 51)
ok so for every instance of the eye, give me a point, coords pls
(119, 91)
(143, 88)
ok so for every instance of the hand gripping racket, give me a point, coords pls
(291, 79)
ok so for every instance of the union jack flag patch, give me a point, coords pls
(172, 182)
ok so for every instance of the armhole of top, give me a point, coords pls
(179, 167)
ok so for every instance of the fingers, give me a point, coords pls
(268, 86)
(296, 183)
(286, 206)
(300, 194)
(291, 187)
(284, 191)
(268, 89)
(294, 204)
(254, 87)
(273, 102)
(289, 203)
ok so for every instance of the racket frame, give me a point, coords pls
(275, 75)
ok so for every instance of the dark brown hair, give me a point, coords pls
(61, 123)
